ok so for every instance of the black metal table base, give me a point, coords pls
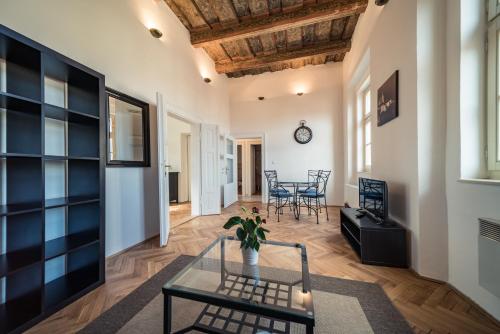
(220, 320)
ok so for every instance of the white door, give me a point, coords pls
(230, 177)
(210, 185)
(163, 170)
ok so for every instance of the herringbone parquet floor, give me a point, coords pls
(428, 306)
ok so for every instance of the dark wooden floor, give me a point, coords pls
(428, 306)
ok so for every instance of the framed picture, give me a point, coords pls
(387, 100)
(127, 131)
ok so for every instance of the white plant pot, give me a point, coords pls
(250, 256)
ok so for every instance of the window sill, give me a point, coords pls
(492, 182)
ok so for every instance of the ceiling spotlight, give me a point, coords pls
(207, 80)
(261, 98)
(300, 93)
(155, 33)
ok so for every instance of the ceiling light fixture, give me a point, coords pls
(300, 93)
(261, 98)
(155, 33)
(381, 2)
(207, 80)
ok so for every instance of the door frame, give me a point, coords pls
(262, 137)
(195, 158)
(234, 157)
(172, 111)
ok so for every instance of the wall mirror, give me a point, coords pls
(127, 131)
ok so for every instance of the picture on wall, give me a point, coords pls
(387, 100)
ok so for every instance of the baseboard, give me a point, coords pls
(461, 294)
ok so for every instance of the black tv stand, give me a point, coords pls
(375, 243)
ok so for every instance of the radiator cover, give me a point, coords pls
(489, 255)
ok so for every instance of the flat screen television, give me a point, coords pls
(373, 197)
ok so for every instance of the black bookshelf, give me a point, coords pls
(52, 171)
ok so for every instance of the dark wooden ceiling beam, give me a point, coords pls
(331, 48)
(286, 20)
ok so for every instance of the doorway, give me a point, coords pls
(179, 165)
(249, 166)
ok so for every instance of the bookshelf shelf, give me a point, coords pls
(52, 170)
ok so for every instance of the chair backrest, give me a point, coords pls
(312, 175)
(272, 179)
(323, 177)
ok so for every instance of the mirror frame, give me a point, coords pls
(146, 161)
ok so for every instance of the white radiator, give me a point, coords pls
(489, 255)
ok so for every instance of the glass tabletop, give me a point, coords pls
(297, 184)
(279, 282)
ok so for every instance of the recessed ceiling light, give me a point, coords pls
(207, 80)
(261, 98)
(300, 93)
(155, 33)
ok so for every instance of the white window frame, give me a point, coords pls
(362, 120)
(493, 9)
(493, 93)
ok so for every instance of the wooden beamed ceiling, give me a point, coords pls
(255, 36)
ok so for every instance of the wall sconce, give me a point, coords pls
(207, 80)
(261, 98)
(155, 33)
(300, 93)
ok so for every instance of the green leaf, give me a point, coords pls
(256, 246)
(241, 234)
(258, 220)
(233, 221)
(260, 233)
(248, 225)
(265, 230)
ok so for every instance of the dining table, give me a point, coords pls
(296, 186)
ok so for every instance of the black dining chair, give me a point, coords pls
(313, 197)
(277, 196)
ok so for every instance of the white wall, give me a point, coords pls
(466, 201)
(431, 124)
(280, 113)
(111, 37)
(383, 49)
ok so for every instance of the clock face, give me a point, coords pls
(303, 135)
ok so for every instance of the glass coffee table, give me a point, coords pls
(271, 297)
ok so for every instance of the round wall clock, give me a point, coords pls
(303, 134)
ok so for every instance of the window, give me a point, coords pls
(364, 128)
(493, 87)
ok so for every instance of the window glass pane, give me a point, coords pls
(125, 133)
(498, 96)
(229, 146)
(230, 172)
(367, 102)
(368, 131)
(368, 155)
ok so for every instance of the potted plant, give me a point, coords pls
(250, 233)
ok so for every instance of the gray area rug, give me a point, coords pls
(341, 306)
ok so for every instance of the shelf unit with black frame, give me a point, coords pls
(52, 125)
